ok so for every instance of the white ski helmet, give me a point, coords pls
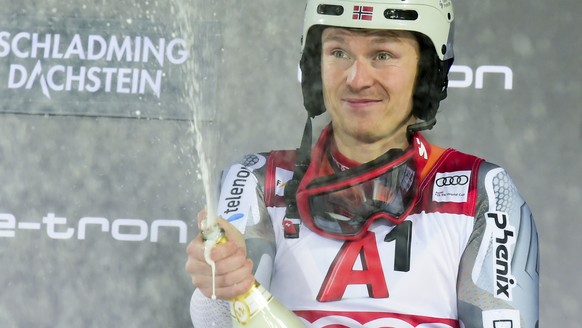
(430, 20)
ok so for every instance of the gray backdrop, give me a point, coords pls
(100, 178)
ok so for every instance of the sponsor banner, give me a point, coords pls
(122, 229)
(132, 70)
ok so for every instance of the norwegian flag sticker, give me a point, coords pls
(363, 12)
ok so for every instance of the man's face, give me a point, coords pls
(368, 80)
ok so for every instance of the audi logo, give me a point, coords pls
(454, 180)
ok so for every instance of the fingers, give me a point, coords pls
(233, 274)
(233, 269)
(232, 233)
(227, 254)
(195, 248)
(235, 290)
(228, 285)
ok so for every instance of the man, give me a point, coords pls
(376, 227)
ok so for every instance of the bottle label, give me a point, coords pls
(244, 307)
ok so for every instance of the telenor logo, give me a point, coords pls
(237, 189)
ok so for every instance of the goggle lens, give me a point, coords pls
(346, 211)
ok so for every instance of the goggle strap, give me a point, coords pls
(301, 164)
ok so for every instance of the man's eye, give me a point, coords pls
(383, 56)
(339, 54)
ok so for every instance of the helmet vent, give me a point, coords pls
(400, 14)
(332, 10)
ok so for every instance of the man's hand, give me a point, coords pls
(233, 270)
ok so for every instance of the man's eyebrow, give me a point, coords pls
(333, 37)
(378, 36)
(385, 38)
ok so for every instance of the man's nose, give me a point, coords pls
(360, 75)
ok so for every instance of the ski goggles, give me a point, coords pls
(344, 204)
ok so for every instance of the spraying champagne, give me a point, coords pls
(257, 307)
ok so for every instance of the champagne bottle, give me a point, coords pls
(257, 307)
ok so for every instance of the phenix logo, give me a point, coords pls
(503, 241)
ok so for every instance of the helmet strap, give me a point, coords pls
(419, 126)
